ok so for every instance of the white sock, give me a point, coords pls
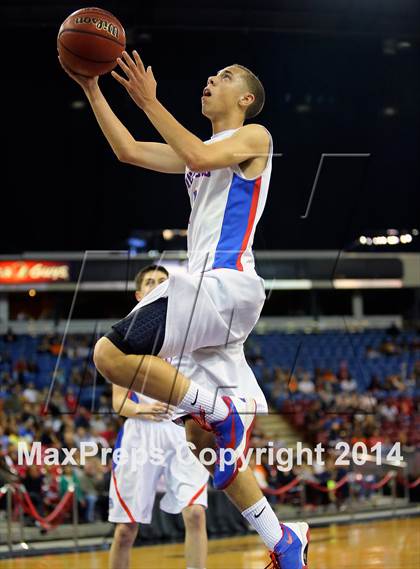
(198, 398)
(263, 519)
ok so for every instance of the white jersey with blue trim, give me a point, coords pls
(226, 207)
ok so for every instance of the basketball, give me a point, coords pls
(90, 40)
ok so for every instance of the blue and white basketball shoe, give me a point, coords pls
(291, 552)
(233, 433)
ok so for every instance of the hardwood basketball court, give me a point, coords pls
(391, 544)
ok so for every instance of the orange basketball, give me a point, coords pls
(90, 40)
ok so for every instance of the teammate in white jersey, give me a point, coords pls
(164, 452)
(216, 305)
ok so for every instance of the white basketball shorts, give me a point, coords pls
(209, 317)
(153, 450)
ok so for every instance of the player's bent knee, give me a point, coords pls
(103, 359)
(125, 534)
(194, 517)
(142, 332)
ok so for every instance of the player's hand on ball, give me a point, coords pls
(153, 411)
(86, 83)
(140, 82)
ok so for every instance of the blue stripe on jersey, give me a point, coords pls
(118, 443)
(133, 396)
(235, 223)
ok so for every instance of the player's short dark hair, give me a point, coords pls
(141, 274)
(256, 88)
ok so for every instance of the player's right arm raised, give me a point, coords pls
(151, 155)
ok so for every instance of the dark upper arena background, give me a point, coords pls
(340, 77)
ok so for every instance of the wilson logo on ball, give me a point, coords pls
(99, 24)
(89, 42)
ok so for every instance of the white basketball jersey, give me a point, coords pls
(226, 207)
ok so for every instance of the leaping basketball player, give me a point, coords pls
(134, 485)
(215, 306)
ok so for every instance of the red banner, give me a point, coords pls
(17, 272)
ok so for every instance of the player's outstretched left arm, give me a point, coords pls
(248, 142)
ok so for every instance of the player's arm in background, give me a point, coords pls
(151, 155)
(124, 406)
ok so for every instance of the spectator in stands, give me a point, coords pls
(389, 348)
(326, 391)
(366, 402)
(26, 429)
(416, 371)
(71, 348)
(388, 411)
(357, 431)
(327, 385)
(96, 427)
(407, 407)
(33, 483)
(348, 384)
(90, 478)
(50, 437)
(44, 346)
(279, 383)
(376, 437)
(328, 376)
(84, 435)
(59, 377)
(306, 385)
(83, 349)
(68, 437)
(55, 346)
(292, 382)
(371, 353)
(70, 400)
(103, 408)
(393, 383)
(69, 478)
(50, 486)
(343, 370)
(30, 393)
(14, 400)
(19, 369)
(11, 458)
(82, 419)
(369, 426)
